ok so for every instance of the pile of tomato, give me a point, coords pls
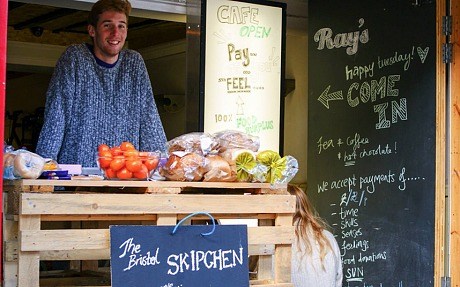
(126, 162)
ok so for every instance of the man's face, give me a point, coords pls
(109, 35)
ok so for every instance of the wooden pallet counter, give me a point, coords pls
(91, 206)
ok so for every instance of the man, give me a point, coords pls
(100, 93)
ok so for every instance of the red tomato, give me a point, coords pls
(151, 163)
(117, 163)
(109, 173)
(102, 148)
(116, 150)
(131, 153)
(127, 146)
(143, 173)
(105, 158)
(124, 174)
(133, 164)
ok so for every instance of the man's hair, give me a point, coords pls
(101, 6)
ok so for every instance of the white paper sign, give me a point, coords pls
(242, 89)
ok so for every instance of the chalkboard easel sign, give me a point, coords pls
(161, 256)
(371, 136)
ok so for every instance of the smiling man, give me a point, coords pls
(100, 93)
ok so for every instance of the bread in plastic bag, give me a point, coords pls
(182, 166)
(22, 164)
(194, 142)
(230, 139)
(218, 169)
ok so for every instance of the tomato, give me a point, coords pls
(151, 163)
(109, 173)
(116, 150)
(127, 146)
(102, 148)
(105, 158)
(133, 164)
(143, 173)
(131, 153)
(124, 174)
(117, 163)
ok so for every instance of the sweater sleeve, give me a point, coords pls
(152, 135)
(60, 90)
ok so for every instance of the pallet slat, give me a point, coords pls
(55, 204)
(71, 239)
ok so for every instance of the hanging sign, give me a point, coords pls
(189, 256)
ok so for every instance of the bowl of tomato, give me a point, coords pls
(125, 162)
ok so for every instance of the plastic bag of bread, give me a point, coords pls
(194, 142)
(22, 164)
(218, 169)
(231, 139)
(182, 166)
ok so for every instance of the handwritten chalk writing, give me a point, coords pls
(369, 91)
(255, 31)
(402, 179)
(376, 152)
(353, 196)
(349, 261)
(193, 261)
(356, 141)
(238, 54)
(345, 182)
(237, 15)
(325, 38)
(396, 58)
(129, 247)
(146, 260)
(349, 222)
(323, 187)
(398, 110)
(373, 257)
(359, 71)
(324, 144)
(344, 213)
(353, 233)
(368, 182)
(362, 245)
(354, 272)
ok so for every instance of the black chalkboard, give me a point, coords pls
(371, 135)
(158, 256)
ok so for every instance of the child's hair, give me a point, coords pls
(101, 6)
(306, 218)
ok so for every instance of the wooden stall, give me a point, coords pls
(81, 214)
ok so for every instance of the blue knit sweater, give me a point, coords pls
(88, 104)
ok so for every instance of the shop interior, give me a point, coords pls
(37, 35)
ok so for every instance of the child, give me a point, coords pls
(315, 253)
